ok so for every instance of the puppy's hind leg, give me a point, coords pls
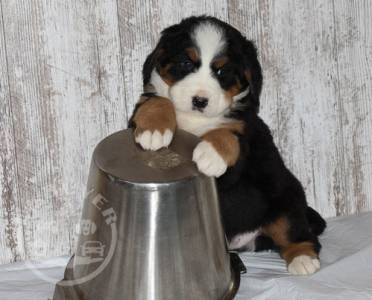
(297, 245)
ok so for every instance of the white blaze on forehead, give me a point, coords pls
(210, 40)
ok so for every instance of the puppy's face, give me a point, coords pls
(204, 66)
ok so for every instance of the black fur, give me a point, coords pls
(259, 188)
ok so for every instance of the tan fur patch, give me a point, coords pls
(278, 231)
(297, 249)
(219, 62)
(157, 113)
(236, 126)
(164, 73)
(225, 143)
(193, 54)
(233, 91)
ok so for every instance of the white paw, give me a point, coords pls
(154, 140)
(208, 160)
(303, 265)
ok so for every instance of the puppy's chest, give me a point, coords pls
(198, 125)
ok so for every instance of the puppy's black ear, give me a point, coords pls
(171, 35)
(252, 73)
(151, 63)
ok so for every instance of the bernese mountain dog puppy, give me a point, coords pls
(207, 80)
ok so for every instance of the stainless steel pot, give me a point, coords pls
(150, 228)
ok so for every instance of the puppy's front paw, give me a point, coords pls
(154, 140)
(304, 265)
(208, 160)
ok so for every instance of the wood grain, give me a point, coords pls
(70, 74)
(353, 51)
(11, 233)
(66, 88)
(301, 98)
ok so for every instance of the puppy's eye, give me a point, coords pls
(186, 65)
(219, 72)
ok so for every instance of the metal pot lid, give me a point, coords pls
(129, 163)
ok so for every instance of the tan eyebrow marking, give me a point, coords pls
(219, 62)
(193, 54)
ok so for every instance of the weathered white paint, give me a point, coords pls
(70, 74)
(11, 229)
(304, 95)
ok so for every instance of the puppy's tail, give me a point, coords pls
(316, 222)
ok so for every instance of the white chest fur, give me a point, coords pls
(198, 124)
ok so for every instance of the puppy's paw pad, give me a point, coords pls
(304, 265)
(208, 160)
(154, 140)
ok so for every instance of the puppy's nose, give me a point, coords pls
(199, 102)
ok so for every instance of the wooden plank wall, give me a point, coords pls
(70, 75)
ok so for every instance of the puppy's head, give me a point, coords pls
(205, 66)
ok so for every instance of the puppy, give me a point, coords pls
(207, 80)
